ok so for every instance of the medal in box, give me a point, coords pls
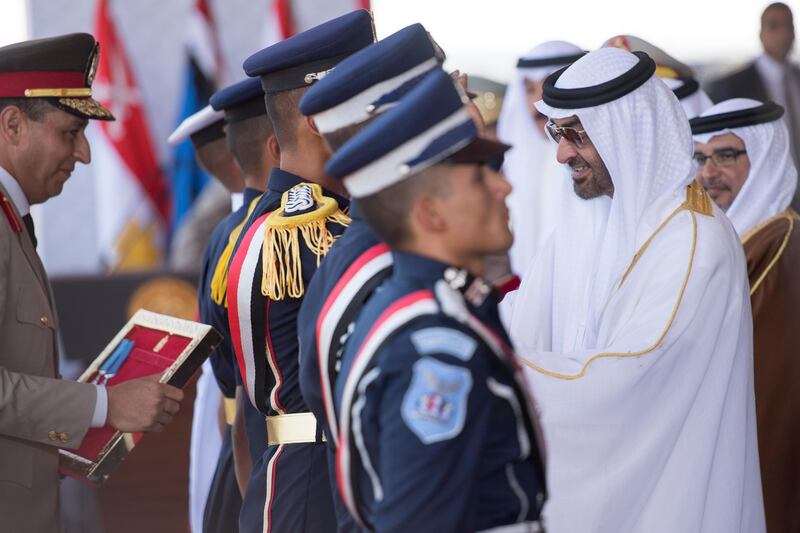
(148, 344)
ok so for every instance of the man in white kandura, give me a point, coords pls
(634, 322)
(530, 166)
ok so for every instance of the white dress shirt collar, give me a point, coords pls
(769, 67)
(15, 192)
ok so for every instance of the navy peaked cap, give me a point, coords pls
(240, 101)
(306, 57)
(237, 94)
(429, 125)
(371, 79)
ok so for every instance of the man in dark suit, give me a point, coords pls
(771, 76)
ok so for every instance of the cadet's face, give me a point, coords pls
(533, 92)
(476, 212)
(48, 152)
(723, 182)
(590, 177)
(777, 32)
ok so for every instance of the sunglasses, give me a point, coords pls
(573, 136)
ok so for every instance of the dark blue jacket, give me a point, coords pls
(350, 261)
(437, 429)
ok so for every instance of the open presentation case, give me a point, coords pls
(148, 344)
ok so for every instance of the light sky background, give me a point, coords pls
(486, 36)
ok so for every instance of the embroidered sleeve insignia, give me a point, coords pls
(434, 407)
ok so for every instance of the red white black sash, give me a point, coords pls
(339, 310)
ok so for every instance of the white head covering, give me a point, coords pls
(530, 165)
(645, 142)
(674, 73)
(772, 180)
(693, 104)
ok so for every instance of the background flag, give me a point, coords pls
(133, 201)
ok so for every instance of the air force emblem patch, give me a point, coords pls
(435, 404)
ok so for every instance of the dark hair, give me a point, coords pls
(775, 5)
(337, 138)
(387, 211)
(247, 140)
(33, 108)
(283, 109)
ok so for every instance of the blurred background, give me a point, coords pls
(109, 221)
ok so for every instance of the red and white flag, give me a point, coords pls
(133, 200)
(287, 17)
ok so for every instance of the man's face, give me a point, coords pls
(777, 32)
(724, 179)
(533, 92)
(475, 211)
(590, 177)
(47, 152)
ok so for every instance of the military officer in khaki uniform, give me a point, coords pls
(45, 105)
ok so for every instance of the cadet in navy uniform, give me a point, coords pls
(361, 87)
(436, 429)
(244, 114)
(289, 231)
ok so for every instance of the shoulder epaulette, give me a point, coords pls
(304, 211)
(219, 281)
(13, 220)
(697, 199)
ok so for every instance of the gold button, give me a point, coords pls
(52, 435)
(64, 437)
(44, 320)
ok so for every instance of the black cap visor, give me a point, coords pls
(480, 151)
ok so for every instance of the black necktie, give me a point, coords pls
(28, 219)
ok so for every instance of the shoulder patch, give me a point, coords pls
(435, 405)
(444, 340)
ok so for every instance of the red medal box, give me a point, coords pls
(148, 344)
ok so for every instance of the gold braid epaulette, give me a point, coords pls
(697, 199)
(281, 259)
(219, 281)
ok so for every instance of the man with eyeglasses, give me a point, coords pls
(744, 160)
(634, 321)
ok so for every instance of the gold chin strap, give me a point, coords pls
(219, 281)
(666, 72)
(283, 272)
(81, 92)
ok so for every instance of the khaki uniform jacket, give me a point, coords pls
(38, 412)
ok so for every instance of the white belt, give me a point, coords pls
(230, 409)
(294, 428)
(520, 527)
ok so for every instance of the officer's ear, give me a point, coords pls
(312, 125)
(274, 150)
(426, 214)
(12, 124)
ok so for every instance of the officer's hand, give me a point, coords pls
(142, 404)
